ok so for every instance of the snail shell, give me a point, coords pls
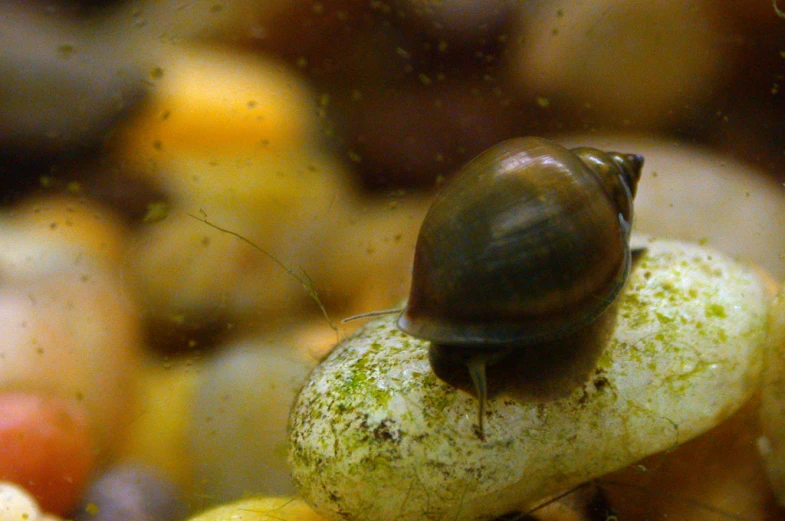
(527, 244)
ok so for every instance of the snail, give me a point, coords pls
(521, 258)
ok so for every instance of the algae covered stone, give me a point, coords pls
(375, 435)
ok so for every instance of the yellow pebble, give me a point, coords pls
(211, 102)
(272, 185)
(284, 203)
(262, 509)
(157, 435)
(16, 504)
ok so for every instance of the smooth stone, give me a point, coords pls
(75, 335)
(261, 509)
(237, 435)
(213, 102)
(561, 50)
(47, 446)
(375, 435)
(17, 504)
(131, 492)
(63, 88)
(158, 435)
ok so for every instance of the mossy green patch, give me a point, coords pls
(361, 384)
(715, 311)
(662, 318)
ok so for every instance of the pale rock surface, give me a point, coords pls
(17, 504)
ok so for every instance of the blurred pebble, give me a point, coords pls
(637, 64)
(55, 230)
(354, 252)
(240, 413)
(295, 186)
(46, 445)
(61, 88)
(367, 259)
(337, 41)
(410, 89)
(217, 104)
(76, 339)
(412, 136)
(262, 509)
(16, 504)
(157, 436)
(69, 325)
(696, 194)
(457, 22)
(131, 493)
(230, 139)
(190, 271)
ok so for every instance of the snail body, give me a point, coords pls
(527, 246)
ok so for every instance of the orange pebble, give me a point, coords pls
(45, 447)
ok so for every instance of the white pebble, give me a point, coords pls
(16, 504)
